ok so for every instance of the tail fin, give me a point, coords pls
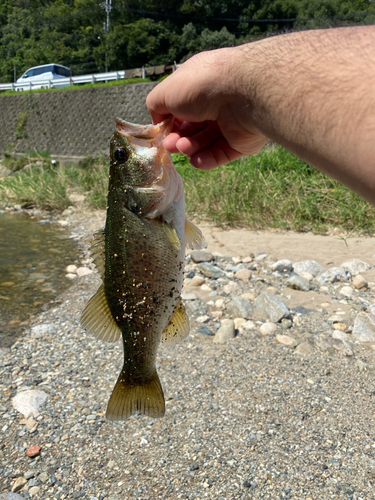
(128, 397)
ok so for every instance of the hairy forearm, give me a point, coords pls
(314, 93)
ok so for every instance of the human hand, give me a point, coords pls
(212, 125)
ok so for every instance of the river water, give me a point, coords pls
(33, 258)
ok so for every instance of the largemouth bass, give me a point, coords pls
(140, 256)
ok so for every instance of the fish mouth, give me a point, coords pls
(145, 135)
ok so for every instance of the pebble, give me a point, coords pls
(211, 271)
(18, 484)
(198, 256)
(29, 402)
(346, 291)
(83, 271)
(33, 451)
(189, 296)
(243, 275)
(260, 257)
(230, 287)
(298, 283)
(307, 276)
(339, 334)
(304, 348)
(71, 269)
(356, 266)
(248, 325)
(268, 328)
(268, 305)
(282, 266)
(225, 332)
(286, 340)
(34, 490)
(359, 282)
(197, 281)
(238, 322)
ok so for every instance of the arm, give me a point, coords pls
(313, 92)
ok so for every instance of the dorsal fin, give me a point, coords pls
(178, 327)
(97, 318)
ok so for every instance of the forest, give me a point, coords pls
(75, 33)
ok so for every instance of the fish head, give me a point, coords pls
(140, 162)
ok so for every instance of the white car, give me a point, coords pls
(39, 77)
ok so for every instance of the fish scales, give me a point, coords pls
(140, 255)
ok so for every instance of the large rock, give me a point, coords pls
(334, 274)
(201, 256)
(268, 305)
(364, 329)
(298, 283)
(211, 271)
(29, 402)
(355, 266)
(240, 307)
(308, 266)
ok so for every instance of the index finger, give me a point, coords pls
(156, 105)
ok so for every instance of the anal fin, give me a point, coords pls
(130, 396)
(178, 328)
(97, 318)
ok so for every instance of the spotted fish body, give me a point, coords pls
(140, 256)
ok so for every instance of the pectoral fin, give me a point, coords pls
(97, 318)
(171, 235)
(178, 327)
(193, 236)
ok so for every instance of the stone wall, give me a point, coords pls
(75, 122)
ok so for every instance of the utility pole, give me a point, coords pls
(108, 7)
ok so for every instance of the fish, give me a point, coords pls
(140, 256)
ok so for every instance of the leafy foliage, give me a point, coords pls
(150, 32)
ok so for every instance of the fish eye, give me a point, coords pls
(121, 154)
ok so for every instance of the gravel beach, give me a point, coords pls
(271, 396)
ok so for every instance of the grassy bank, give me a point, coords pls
(123, 81)
(273, 189)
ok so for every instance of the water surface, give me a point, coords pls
(33, 258)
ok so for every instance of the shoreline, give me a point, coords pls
(254, 416)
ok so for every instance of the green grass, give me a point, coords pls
(123, 81)
(273, 189)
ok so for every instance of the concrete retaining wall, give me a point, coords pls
(76, 122)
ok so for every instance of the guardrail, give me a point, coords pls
(94, 78)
